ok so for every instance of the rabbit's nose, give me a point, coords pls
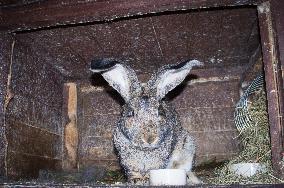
(150, 139)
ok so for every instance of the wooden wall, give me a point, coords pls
(33, 116)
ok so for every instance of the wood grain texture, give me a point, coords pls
(273, 81)
(44, 14)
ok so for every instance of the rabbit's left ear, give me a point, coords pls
(170, 76)
(121, 77)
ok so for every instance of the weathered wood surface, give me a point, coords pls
(41, 14)
(219, 38)
(273, 79)
(5, 56)
(277, 8)
(70, 151)
(33, 116)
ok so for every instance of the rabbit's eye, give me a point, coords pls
(130, 113)
(163, 120)
(129, 123)
(161, 111)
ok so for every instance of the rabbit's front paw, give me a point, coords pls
(138, 179)
(192, 179)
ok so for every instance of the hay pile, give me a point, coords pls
(256, 147)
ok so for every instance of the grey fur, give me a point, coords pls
(149, 134)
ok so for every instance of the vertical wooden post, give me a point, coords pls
(273, 83)
(70, 127)
(7, 44)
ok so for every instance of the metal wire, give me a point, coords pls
(242, 118)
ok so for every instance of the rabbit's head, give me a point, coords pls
(146, 118)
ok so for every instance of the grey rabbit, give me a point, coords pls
(148, 134)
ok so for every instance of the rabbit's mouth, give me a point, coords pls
(146, 146)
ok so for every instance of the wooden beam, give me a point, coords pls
(70, 127)
(46, 14)
(273, 83)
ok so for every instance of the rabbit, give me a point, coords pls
(148, 134)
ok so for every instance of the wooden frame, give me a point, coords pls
(273, 82)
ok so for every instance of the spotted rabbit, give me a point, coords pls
(149, 135)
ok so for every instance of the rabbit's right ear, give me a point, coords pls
(169, 76)
(122, 78)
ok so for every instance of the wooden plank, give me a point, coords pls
(6, 43)
(70, 128)
(277, 8)
(55, 13)
(219, 38)
(273, 83)
(30, 149)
